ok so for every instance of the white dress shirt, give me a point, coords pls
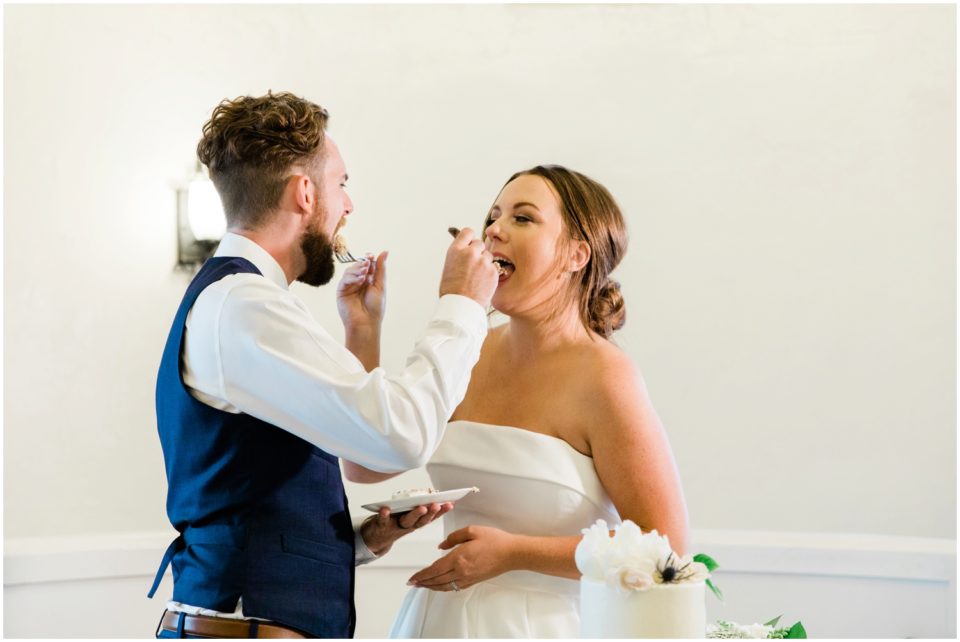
(251, 346)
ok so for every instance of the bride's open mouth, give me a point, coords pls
(504, 267)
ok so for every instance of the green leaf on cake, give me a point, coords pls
(711, 565)
(774, 621)
(797, 632)
(707, 561)
(715, 590)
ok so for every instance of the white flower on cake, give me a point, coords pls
(629, 577)
(598, 552)
(696, 571)
(632, 560)
(635, 586)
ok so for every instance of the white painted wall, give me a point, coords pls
(788, 175)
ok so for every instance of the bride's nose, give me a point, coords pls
(494, 232)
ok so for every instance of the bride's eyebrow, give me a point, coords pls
(516, 206)
(496, 208)
(528, 204)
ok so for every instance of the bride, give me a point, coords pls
(556, 428)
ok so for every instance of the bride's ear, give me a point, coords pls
(578, 256)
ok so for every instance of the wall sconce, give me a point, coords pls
(200, 220)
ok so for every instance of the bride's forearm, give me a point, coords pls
(547, 555)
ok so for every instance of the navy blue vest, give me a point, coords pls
(261, 513)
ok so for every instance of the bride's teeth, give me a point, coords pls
(502, 265)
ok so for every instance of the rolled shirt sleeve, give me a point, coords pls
(278, 364)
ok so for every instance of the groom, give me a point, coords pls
(256, 401)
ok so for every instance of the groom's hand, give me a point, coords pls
(380, 531)
(469, 270)
(361, 293)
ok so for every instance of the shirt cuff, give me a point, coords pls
(463, 310)
(362, 555)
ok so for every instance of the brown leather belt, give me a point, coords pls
(218, 627)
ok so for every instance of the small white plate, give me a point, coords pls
(409, 503)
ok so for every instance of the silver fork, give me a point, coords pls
(345, 256)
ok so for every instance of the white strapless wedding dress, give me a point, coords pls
(529, 483)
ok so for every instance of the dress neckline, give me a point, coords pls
(517, 429)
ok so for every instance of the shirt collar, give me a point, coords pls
(241, 246)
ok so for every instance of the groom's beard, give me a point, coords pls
(318, 250)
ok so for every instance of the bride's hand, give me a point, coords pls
(481, 553)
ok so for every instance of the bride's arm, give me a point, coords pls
(632, 455)
(633, 460)
(482, 552)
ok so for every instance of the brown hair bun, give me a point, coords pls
(607, 310)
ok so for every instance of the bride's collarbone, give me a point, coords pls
(548, 397)
(540, 387)
(546, 414)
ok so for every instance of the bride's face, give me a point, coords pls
(525, 229)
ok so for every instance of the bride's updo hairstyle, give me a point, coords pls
(591, 214)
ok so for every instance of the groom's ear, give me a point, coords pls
(299, 193)
(579, 256)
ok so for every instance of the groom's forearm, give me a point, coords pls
(547, 555)
(364, 343)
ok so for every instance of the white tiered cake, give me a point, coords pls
(635, 586)
(662, 611)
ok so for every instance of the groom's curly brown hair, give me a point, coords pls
(249, 145)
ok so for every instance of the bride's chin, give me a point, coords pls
(500, 304)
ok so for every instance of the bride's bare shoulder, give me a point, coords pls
(610, 366)
(616, 389)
